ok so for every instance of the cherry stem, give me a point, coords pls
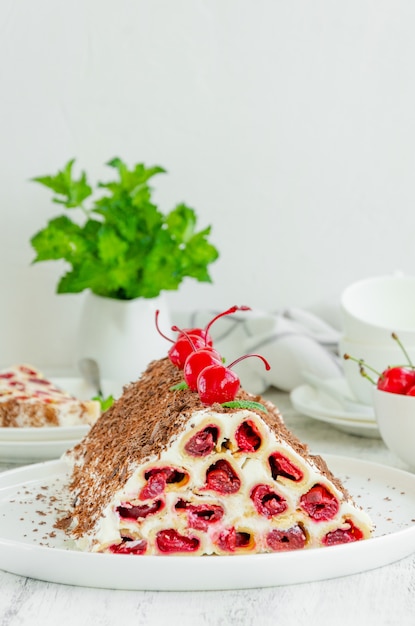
(245, 356)
(176, 329)
(400, 344)
(158, 328)
(361, 363)
(233, 309)
(366, 375)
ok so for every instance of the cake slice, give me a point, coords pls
(161, 473)
(28, 399)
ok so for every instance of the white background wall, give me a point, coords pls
(289, 125)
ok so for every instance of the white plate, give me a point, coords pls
(42, 434)
(314, 403)
(33, 451)
(28, 549)
(78, 388)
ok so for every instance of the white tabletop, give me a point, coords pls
(384, 596)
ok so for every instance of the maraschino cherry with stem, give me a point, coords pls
(197, 360)
(218, 383)
(181, 347)
(399, 379)
(200, 337)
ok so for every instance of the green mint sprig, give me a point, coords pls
(179, 386)
(105, 402)
(121, 245)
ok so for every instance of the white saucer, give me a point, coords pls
(34, 451)
(42, 433)
(318, 405)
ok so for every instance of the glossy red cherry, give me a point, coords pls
(397, 380)
(198, 332)
(218, 383)
(185, 345)
(196, 362)
(199, 336)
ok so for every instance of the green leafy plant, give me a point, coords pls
(121, 246)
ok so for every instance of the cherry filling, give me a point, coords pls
(27, 370)
(203, 442)
(230, 540)
(17, 384)
(319, 503)
(157, 479)
(170, 540)
(222, 478)
(343, 535)
(135, 512)
(199, 516)
(282, 466)
(247, 437)
(267, 502)
(129, 546)
(293, 538)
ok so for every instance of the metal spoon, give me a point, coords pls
(90, 371)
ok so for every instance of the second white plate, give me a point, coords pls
(316, 404)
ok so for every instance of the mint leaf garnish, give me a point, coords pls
(179, 386)
(104, 402)
(245, 404)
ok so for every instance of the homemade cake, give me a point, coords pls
(162, 473)
(28, 399)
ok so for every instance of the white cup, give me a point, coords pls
(372, 308)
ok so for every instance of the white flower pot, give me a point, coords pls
(121, 335)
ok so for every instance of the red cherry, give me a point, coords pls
(293, 538)
(199, 336)
(199, 332)
(181, 349)
(217, 383)
(319, 503)
(196, 362)
(411, 391)
(169, 540)
(183, 346)
(397, 380)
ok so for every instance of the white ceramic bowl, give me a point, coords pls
(395, 415)
(377, 356)
(372, 308)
